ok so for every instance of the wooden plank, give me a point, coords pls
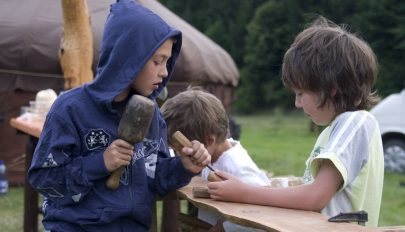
(265, 217)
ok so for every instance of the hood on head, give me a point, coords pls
(132, 34)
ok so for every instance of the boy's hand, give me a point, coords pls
(117, 154)
(196, 158)
(230, 189)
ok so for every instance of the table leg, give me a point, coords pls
(153, 226)
(30, 195)
(170, 215)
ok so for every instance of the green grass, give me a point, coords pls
(393, 202)
(12, 211)
(277, 142)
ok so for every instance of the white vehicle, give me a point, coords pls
(390, 114)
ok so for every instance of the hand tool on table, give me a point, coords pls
(361, 217)
(182, 140)
(133, 126)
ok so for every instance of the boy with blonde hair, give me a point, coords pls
(201, 116)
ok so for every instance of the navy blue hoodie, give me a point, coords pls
(68, 167)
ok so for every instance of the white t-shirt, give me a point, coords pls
(353, 144)
(237, 162)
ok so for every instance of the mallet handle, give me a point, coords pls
(181, 139)
(113, 180)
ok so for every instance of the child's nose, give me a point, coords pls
(163, 72)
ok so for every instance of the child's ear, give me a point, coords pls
(211, 140)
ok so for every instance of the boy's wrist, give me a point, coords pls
(183, 170)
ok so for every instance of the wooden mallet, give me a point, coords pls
(132, 128)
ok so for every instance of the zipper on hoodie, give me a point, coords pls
(131, 192)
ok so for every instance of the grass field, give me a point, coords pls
(278, 143)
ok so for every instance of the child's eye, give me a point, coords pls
(157, 62)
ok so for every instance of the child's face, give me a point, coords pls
(309, 103)
(152, 74)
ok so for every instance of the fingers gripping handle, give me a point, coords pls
(182, 140)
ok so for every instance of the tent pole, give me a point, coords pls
(76, 49)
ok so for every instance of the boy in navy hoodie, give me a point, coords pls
(79, 146)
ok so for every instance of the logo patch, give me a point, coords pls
(49, 162)
(97, 138)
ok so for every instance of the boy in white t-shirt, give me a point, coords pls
(201, 116)
(331, 72)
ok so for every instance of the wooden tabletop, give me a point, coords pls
(26, 125)
(265, 217)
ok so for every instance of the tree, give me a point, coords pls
(270, 32)
(382, 25)
(223, 21)
(258, 32)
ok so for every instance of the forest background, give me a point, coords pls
(256, 33)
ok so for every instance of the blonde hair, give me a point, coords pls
(197, 114)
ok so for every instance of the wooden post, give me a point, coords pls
(30, 195)
(76, 49)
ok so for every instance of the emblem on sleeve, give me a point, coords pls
(49, 162)
(97, 138)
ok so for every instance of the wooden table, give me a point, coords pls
(265, 217)
(32, 128)
(31, 210)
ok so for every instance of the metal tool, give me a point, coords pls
(361, 217)
(210, 168)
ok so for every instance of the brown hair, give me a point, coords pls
(326, 58)
(197, 114)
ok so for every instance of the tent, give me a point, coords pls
(30, 33)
